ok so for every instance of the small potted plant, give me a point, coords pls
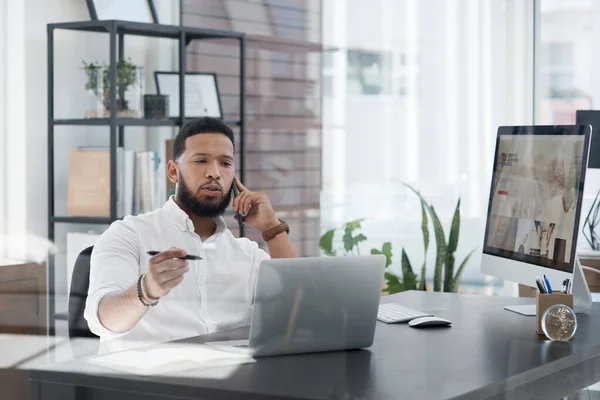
(129, 83)
(94, 89)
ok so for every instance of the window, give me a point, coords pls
(427, 83)
(402, 86)
(556, 70)
(566, 75)
(368, 73)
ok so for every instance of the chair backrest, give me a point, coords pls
(78, 291)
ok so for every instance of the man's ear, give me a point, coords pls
(172, 169)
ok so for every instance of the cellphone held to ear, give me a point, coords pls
(236, 192)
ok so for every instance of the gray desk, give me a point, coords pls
(487, 353)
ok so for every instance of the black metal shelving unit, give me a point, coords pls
(116, 31)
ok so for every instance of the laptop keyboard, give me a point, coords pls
(391, 313)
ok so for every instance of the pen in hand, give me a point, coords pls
(187, 257)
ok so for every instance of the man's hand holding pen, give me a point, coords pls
(165, 271)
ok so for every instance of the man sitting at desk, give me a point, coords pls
(136, 299)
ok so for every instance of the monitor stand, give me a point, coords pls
(582, 298)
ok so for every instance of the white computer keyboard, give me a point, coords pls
(391, 313)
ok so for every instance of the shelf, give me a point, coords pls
(119, 121)
(82, 220)
(145, 29)
(274, 43)
(128, 122)
(115, 32)
(61, 316)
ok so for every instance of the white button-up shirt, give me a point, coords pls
(215, 294)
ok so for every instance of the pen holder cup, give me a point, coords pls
(544, 301)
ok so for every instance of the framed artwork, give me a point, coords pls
(125, 10)
(201, 93)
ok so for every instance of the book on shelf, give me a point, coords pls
(89, 183)
(141, 186)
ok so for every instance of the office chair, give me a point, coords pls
(78, 291)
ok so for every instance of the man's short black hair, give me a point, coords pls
(197, 126)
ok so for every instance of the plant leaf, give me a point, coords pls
(394, 285)
(454, 229)
(440, 259)
(351, 226)
(406, 267)
(452, 245)
(440, 239)
(386, 250)
(390, 277)
(425, 230)
(456, 280)
(326, 243)
(349, 240)
(424, 227)
(410, 281)
(408, 276)
(448, 271)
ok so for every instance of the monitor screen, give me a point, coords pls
(536, 193)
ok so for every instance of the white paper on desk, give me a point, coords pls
(169, 359)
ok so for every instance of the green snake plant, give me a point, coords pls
(444, 261)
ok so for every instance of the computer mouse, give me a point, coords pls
(428, 321)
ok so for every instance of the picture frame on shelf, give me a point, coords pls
(125, 10)
(202, 98)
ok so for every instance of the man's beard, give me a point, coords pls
(201, 208)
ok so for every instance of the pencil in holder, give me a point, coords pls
(545, 300)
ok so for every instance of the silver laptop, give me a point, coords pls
(313, 304)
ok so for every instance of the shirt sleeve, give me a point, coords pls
(258, 255)
(114, 266)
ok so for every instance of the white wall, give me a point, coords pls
(23, 115)
(12, 112)
(2, 118)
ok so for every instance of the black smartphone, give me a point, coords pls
(236, 192)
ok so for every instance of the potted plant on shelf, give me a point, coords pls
(445, 260)
(94, 90)
(129, 89)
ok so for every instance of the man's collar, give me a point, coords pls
(182, 219)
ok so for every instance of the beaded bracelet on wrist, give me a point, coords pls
(139, 293)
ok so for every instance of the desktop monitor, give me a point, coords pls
(535, 203)
(592, 218)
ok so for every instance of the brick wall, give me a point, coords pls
(283, 99)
